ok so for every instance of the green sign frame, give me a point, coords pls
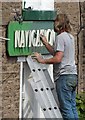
(19, 34)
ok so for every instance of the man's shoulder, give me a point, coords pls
(62, 35)
(65, 35)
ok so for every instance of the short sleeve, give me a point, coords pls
(60, 44)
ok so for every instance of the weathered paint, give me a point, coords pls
(38, 15)
(25, 37)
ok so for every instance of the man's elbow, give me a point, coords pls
(58, 60)
(58, 57)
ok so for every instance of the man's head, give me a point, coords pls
(62, 23)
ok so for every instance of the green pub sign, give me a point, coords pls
(25, 36)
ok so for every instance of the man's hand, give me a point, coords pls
(43, 39)
(38, 57)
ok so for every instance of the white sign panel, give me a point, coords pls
(40, 4)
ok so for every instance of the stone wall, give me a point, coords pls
(73, 12)
(81, 37)
(0, 63)
(10, 67)
(76, 13)
(83, 16)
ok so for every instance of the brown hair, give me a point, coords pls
(62, 23)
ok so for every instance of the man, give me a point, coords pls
(64, 68)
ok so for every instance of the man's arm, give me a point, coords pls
(47, 45)
(55, 59)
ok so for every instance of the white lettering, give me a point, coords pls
(52, 37)
(19, 39)
(31, 38)
(27, 38)
(22, 43)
